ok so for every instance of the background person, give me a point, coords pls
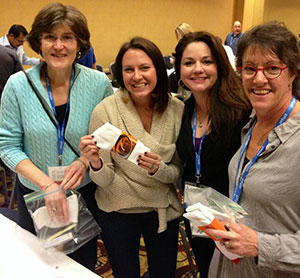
(141, 199)
(183, 94)
(211, 123)
(269, 239)
(182, 29)
(15, 40)
(233, 38)
(9, 65)
(89, 59)
(29, 140)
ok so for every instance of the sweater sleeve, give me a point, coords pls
(11, 129)
(169, 172)
(279, 251)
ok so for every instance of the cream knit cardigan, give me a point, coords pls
(124, 185)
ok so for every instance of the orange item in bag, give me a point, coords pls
(215, 224)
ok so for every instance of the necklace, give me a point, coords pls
(260, 139)
(199, 122)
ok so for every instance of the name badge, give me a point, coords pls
(57, 173)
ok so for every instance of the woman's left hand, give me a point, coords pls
(149, 161)
(239, 239)
(74, 175)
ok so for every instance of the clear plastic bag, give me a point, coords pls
(207, 208)
(64, 236)
(222, 207)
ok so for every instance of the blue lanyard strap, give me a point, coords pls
(60, 129)
(231, 40)
(238, 188)
(198, 154)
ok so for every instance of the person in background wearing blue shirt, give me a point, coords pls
(233, 38)
(89, 59)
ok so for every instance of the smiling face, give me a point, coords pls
(139, 74)
(265, 95)
(198, 70)
(59, 47)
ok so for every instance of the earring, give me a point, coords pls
(78, 55)
(181, 84)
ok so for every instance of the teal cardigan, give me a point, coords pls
(26, 132)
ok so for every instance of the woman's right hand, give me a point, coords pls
(56, 203)
(90, 151)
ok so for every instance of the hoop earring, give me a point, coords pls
(78, 55)
(181, 84)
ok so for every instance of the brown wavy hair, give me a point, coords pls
(228, 102)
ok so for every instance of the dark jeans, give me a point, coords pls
(203, 249)
(121, 233)
(85, 255)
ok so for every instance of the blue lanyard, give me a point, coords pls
(231, 40)
(60, 129)
(238, 189)
(198, 154)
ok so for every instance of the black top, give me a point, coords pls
(60, 114)
(215, 155)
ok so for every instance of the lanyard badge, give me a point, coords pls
(60, 129)
(238, 186)
(198, 154)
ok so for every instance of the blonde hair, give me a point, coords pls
(183, 29)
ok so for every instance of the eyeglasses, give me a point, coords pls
(270, 72)
(66, 39)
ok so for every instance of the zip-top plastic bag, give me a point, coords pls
(66, 236)
(207, 208)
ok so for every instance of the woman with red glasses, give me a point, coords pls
(264, 173)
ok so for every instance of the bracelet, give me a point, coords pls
(94, 169)
(85, 167)
(47, 186)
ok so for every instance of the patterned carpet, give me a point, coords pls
(103, 267)
(183, 269)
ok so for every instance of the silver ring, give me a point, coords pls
(227, 226)
(54, 209)
(227, 244)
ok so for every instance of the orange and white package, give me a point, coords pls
(109, 137)
(204, 217)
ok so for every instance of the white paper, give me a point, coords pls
(201, 215)
(106, 137)
(41, 217)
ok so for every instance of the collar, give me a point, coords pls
(5, 42)
(35, 73)
(283, 131)
(132, 122)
